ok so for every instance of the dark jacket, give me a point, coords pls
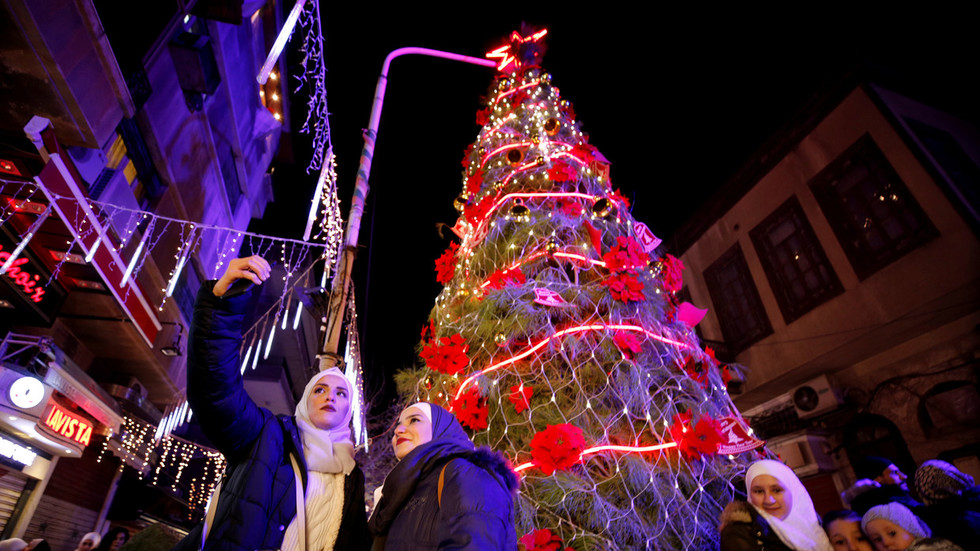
(258, 499)
(956, 518)
(476, 512)
(743, 529)
(887, 493)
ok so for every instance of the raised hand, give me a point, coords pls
(253, 268)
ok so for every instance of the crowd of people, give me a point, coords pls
(92, 541)
(292, 484)
(940, 513)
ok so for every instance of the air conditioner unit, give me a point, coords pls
(807, 454)
(815, 397)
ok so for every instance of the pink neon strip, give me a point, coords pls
(638, 449)
(628, 449)
(539, 254)
(515, 90)
(539, 195)
(496, 128)
(503, 148)
(562, 333)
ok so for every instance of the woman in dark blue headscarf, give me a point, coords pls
(444, 493)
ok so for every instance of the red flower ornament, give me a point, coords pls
(557, 447)
(505, 278)
(626, 255)
(446, 355)
(541, 540)
(471, 409)
(561, 171)
(446, 264)
(673, 278)
(625, 287)
(628, 343)
(571, 208)
(474, 181)
(520, 396)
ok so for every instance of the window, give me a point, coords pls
(736, 300)
(949, 409)
(962, 171)
(795, 264)
(875, 218)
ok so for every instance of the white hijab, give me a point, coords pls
(326, 451)
(800, 529)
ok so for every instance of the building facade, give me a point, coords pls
(841, 266)
(153, 108)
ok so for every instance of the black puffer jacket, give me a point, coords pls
(476, 509)
(743, 529)
(258, 499)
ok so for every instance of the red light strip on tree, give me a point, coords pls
(513, 91)
(503, 122)
(486, 157)
(597, 449)
(539, 254)
(562, 333)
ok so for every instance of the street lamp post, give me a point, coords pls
(341, 281)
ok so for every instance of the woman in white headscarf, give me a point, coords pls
(779, 514)
(291, 482)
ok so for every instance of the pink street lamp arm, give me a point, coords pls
(341, 281)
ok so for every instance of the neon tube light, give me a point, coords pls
(538, 195)
(539, 254)
(504, 148)
(23, 243)
(180, 267)
(325, 171)
(98, 241)
(284, 34)
(132, 262)
(268, 345)
(596, 449)
(248, 353)
(255, 359)
(571, 330)
(299, 310)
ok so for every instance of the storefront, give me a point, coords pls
(49, 410)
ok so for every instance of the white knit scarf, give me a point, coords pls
(332, 450)
(800, 529)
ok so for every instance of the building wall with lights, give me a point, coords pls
(161, 116)
(845, 274)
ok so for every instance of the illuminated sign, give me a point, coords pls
(26, 392)
(28, 284)
(16, 453)
(22, 276)
(65, 424)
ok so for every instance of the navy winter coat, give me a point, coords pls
(258, 495)
(476, 512)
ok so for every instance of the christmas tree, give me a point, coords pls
(559, 341)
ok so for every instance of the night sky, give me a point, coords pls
(676, 99)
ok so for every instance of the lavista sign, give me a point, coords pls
(66, 425)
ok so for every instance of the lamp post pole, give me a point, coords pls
(340, 289)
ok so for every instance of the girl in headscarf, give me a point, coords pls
(291, 482)
(443, 493)
(779, 514)
(89, 542)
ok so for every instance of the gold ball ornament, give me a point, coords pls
(500, 339)
(602, 208)
(551, 246)
(519, 210)
(460, 202)
(551, 126)
(546, 78)
(515, 156)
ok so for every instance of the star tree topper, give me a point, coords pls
(520, 52)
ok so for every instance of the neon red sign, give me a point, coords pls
(26, 280)
(68, 425)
